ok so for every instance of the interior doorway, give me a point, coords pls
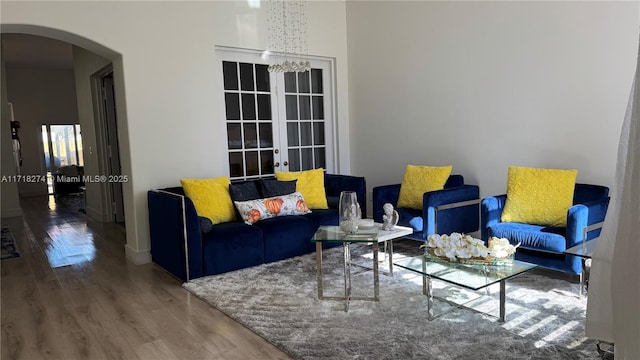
(86, 56)
(61, 146)
(107, 125)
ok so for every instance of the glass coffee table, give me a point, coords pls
(473, 277)
(374, 235)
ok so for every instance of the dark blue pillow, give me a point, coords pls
(273, 187)
(205, 224)
(333, 201)
(244, 191)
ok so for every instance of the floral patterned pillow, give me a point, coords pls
(255, 210)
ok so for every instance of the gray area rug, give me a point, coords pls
(278, 301)
(8, 248)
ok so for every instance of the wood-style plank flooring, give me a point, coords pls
(73, 295)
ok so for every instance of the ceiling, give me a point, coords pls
(30, 51)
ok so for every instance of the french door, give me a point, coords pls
(276, 121)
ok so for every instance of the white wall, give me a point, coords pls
(10, 203)
(485, 85)
(86, 64)
(167, 90)
(39, 96)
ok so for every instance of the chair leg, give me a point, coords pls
(584, 279)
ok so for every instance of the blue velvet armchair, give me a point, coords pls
(452, 209)
(543, 245)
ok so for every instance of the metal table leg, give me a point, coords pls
(427, 290)
(347, 275)
(376, 278)
(347, 297)
(319, 268)
(390, 256)
(583, 278)
(503, 297)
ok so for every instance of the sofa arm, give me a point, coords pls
(583, 221)
(335, 184)
(453, 209)
(382, 195)
(172, 219)
(490, 211)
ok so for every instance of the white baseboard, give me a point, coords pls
(6, 213)
(137, 257)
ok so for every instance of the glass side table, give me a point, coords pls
(585, 251)
(334, 234)
(374, 236)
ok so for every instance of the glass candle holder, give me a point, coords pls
(350, 212)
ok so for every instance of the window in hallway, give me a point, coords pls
(62, 146)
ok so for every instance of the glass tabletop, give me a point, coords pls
(333, 233)
(584, 250)
(472, 277)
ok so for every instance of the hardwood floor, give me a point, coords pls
(73, 295)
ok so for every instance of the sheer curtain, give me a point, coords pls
(613, 306)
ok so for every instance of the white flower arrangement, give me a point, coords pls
(501, 247)
(458, 247)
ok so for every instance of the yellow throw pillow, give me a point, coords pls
(539, 196)
(418, 180)
(211, 198)
(310, 183)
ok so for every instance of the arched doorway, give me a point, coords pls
(89, 57)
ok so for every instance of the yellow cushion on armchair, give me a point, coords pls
(418, 180)
(539, 196)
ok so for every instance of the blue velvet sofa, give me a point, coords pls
(452, 209)
(544, 245)
(179, 245)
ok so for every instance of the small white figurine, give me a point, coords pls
(390, 217)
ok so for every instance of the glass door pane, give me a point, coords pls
(306, 125)
(248, 104)
(63, 144)
(275, 121)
